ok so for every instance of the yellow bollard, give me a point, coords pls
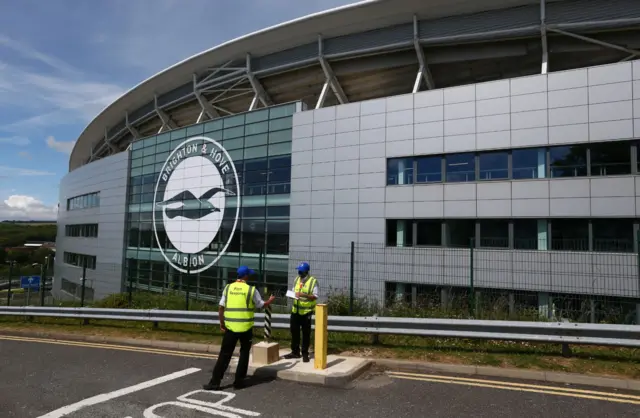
(322, 335)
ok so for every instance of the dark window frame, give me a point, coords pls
(584, 167)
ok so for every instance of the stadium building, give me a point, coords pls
(414, 129)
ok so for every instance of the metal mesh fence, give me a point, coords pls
(482, 283)
(373, 279)
(13, 293)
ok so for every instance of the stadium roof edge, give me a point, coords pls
(343, 20)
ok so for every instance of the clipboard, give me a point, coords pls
(291, 294)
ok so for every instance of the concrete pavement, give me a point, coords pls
(56, 379)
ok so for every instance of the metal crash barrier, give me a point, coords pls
(543, 332)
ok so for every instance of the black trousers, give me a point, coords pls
(229, 342)
(300, 322)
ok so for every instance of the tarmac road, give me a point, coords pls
(41, 378)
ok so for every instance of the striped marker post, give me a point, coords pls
(267, 323)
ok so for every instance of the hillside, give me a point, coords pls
(14, 234)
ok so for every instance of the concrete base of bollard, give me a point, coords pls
(265, 353)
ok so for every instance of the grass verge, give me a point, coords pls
(601, 361)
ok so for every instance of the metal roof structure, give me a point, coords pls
(364, 51)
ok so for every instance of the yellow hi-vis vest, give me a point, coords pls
(303, 306)
(239, 307)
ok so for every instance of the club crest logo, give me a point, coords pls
(196, 192)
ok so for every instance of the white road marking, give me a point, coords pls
(219, 404)
(148, 413)
(94, 400)
(212, 408)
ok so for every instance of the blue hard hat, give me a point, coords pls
(244, 271)
(303, 267)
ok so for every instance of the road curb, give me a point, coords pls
(341, 380)
(485, 371)
(324, 378)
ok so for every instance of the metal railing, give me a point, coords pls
(544, 332)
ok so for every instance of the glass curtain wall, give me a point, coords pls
(259, 143)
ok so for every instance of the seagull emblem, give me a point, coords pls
(203, 208)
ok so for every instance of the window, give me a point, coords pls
(279, 175)
(530, 163)
(610, 158)
(494, 165)
(255, 179)
(82, 230)
(460, 232)
(399, 233)
(277, 237)
(568, 161)
(69, 287)
(460, 167)
(85, 201)
(225, 231)
(134, 235)
(529, 234)
(400, 171)
(428, 169)
(277, 282)
(429, 232)
(612, 235)
(253, 212)
(570, 234)
(494, 233)
(278, 211)
(253, 236)
(80, 260)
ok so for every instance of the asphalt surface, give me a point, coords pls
(38, 379)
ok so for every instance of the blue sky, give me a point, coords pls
(62, 62)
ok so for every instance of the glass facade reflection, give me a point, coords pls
(259, 144)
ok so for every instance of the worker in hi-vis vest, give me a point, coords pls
(236, 311)
(304, 306)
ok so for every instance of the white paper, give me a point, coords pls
(291, 294)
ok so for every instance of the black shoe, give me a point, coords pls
(305, 358)
(292, 356)
(239, 385)
(211, 386)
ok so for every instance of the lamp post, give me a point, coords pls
(44, 268)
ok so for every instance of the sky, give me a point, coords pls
(62, 62)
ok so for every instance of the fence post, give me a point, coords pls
(261, 274)
(130, 291)
(188, 284)
(84, 281)
(351, 276)
(10, 283)
(638, 300)
(471, 278)
(43, 283)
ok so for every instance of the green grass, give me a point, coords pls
(618, 362)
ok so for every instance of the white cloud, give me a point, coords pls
(20, 207)
(6, 171)
(60, 146)
(30, 53)
(20, 141)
